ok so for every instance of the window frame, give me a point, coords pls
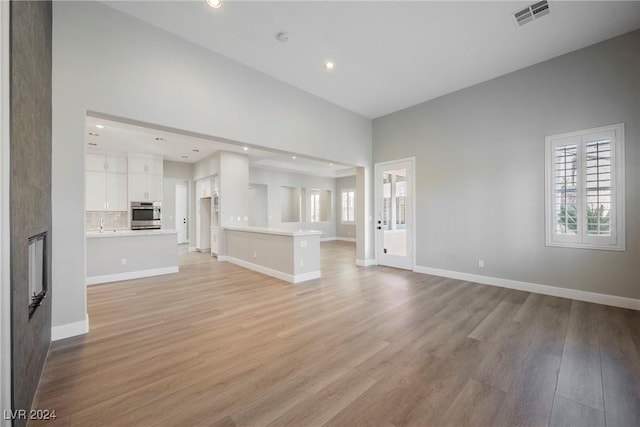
(347, 191)
(582, 240)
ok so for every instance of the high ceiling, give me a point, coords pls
(388, 55)
(106, 134)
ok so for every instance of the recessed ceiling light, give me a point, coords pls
(161, 139)
(330, 164)
(195, 151)
(216, 4)
(185, 157)
(245, 148)
(329, 65)
(100, 126)
(293, 157)
(94, 134)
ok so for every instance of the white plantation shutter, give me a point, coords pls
(315, 207)
(599, 188)
(565, 192)
(585, 181)
(348, 206)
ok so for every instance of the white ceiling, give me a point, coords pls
(388, 55)
(120, 136)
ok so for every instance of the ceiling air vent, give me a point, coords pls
(532, 12)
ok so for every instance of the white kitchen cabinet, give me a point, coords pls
(145, 187)
(203, 187)
(104, 163)
(105, 183)
(95, 191)
(145, 178)
(117, 192)
(145, 164)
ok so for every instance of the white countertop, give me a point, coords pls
(128, 233)
(270, 230)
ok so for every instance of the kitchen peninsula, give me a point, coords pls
(130, 254)
(291, 255)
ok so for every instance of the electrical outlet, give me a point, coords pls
(301, 263)
(123, 261)
(480, 263)
(255, 254)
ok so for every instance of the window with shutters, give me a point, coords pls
(585, 189)
(348, 206)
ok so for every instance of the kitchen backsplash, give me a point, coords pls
(111, 220)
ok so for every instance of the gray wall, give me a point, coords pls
(346, 231)
(30, 189)
(275, 179)
(108, 62)
(104, 253)
(258, 205)
(480, 168)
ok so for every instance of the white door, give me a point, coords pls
(181, 212)
(394, 213)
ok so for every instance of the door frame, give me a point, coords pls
(184, 185)
(411, 231)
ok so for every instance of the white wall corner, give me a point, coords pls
(70, 329)
(299, 278)
(365, 262)
(593, 297)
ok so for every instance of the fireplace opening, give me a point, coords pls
(37, 271)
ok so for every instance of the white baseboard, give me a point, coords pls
(192, 248)
(365, 262)
(291, 278)
(327, 239)
(94, 280)
(223, 258)
(555, 291)
(70, 329)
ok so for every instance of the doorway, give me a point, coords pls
(181, 213)
(394, 196)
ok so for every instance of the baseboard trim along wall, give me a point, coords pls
(612, 300)
(365, 262)
(70, 329)
(341, 239)
(291, 278)
(94, 280)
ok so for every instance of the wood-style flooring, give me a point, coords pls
(219, 345)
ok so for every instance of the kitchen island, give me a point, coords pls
(130, 254)
(291, 255)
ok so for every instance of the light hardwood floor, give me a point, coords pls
(218, 345)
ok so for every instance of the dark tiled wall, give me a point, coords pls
(30, 188)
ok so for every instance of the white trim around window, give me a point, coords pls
(584, 189)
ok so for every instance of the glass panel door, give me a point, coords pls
(394, 239)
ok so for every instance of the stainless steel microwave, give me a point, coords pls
(146, 215)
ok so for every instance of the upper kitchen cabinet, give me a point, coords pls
(145, 177)
(146, 164)
(106, 183)
(203, 187)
